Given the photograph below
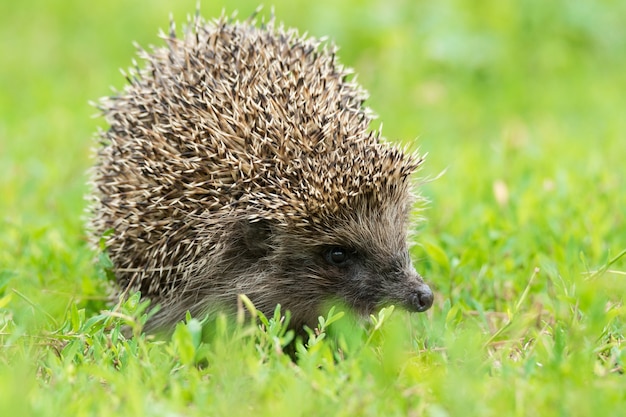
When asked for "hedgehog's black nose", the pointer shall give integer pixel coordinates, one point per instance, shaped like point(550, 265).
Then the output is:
point(423, 298)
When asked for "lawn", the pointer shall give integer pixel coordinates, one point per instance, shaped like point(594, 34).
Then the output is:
point(521, 107)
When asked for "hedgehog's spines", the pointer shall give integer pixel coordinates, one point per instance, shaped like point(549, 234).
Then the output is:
point(172, 28)
point(251, 20)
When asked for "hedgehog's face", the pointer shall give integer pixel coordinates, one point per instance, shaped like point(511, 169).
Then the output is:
point(369, 278)
point(366, 253)
point(362, 260)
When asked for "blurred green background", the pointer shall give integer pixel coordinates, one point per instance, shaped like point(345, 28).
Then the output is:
point(522, 103)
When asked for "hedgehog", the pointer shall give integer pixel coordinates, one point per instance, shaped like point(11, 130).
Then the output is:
point(239, 159)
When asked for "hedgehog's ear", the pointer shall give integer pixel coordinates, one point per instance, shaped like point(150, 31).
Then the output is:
point(256, 236)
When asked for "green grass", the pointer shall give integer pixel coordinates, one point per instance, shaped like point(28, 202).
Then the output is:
point(521, 103)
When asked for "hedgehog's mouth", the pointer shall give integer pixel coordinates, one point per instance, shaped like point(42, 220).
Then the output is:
point(420, 300)
point(417, 301)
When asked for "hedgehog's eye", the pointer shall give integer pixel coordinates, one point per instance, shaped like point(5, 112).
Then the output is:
point(338, 256)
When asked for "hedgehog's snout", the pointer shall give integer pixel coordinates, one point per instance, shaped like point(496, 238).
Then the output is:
point(421, 299)
point(418, 295)
point(406, 287)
